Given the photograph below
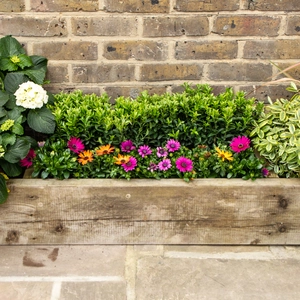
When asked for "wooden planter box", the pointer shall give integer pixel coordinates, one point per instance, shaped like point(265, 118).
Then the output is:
point(141, 211)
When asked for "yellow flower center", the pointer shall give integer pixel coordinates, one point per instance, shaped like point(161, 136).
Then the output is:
point(15, 59)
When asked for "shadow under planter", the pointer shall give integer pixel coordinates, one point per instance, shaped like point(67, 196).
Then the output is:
point(143, 211)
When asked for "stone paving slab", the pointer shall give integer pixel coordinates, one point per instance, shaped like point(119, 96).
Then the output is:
point(149, 272)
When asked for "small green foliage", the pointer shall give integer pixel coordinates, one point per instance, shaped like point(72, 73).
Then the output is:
point(277, 135)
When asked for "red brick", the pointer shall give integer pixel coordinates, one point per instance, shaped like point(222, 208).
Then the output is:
point(138, 50)
point(206, 50)
point(239, 71)
point(102, 73)
point(272, 49)
point(32, 26)
point(204, 5)
point(67, 50)
point(64, 5)
point(175, 26)
point(247, 25)
point(133, 6)
point(166, 72)
point(104, 26)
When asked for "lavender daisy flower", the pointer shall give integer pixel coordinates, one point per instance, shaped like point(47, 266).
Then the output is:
point(127, 146)
point(164, 165)
point(173, 145)
point(184, 164)
point(152, 167)
point(144, 151)
point(161, 152)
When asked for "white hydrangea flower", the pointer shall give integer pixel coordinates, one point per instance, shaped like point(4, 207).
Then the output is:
point(31, 95)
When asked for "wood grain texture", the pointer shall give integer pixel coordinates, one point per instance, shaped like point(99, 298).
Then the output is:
point(171, 211)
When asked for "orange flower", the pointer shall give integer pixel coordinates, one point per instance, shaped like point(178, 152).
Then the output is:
point(85, 157)
point(121, 159)
point(107, 149)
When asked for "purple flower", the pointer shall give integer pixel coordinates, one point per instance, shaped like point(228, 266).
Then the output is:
point(127, 146)
point(75, 145)
point(130, 165)
point(161, 152)
point(184, 164)
point(144, 151)
point(152, 167)
point(265, 172)
point(173, 145)
point(164, 165)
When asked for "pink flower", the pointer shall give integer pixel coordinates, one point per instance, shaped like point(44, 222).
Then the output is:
point(130, 165)
point(152, 167)
point(144, 151)
point(161, 152)
point(265, 172)
point(184, 164)
point(173, 145)
point(240, 143)
point(75, 145)
point(27, 161)
point(164, 165)
point(127, 146)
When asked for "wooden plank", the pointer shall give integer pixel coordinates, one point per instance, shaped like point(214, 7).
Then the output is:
point(171, 211)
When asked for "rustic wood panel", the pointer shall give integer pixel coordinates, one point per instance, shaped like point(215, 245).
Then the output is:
point(171, 211)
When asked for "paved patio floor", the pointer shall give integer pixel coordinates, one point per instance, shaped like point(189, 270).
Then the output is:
point(149, 272)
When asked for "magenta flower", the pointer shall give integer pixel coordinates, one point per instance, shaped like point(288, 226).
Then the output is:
point(184, 164)
point(173, 145)
point(265, 172)
point(75, 144)
point(130, 165)
point(144, 151)
point(27, 161)
point(240, 143)
point(164, 165)
point(152, 167)
point(127, 146)
point(161, 152)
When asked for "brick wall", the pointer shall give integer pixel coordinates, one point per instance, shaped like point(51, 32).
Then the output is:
point(124, 47)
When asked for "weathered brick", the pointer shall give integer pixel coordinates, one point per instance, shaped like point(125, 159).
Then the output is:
point(293, 25)
point(162, 72)
point(294, 72)
point(32, 26)
point(272, 49)
point(206, 50)
point(285, 5)
point(69, 88)
point(204, 5)
point(67, 50)
point(103, 73)
point(129, 91)
point(239, 71)
point(262, 93)
point(57, 73)
point(216, 89)
point(133, 6)
point(93, 290)
point(104, 26)
point(175, 26)
point(139, 50)
point(247, 25)
point(12, 6)
point(63, 5)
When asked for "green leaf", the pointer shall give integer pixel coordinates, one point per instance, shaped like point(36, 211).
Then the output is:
point(17, 129)
point(9, 46)
point(17, 151)
point(7, 65)
point(12, 81)
point(4, 97)
point(8, 139)
point(2, 112)
point(12, 170)
point(3, 189)
point(25, 61)
point(41, 120)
